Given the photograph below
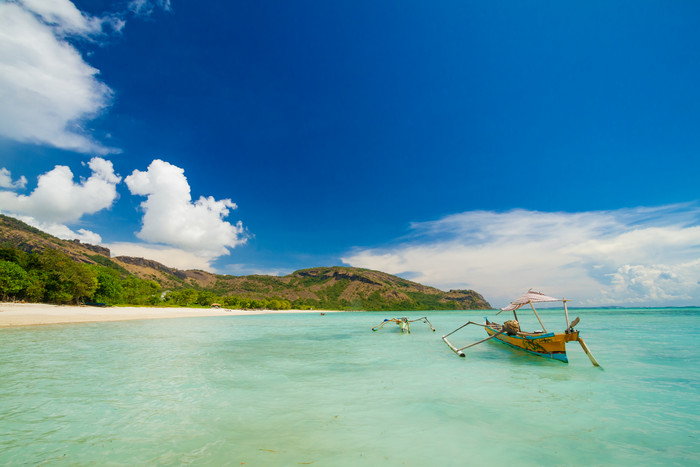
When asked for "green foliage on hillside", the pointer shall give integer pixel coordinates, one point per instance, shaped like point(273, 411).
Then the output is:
point(37, 267)
point(346, 288)
point(50, 276)
point(53, 277)
point(104, 261)
point(339, 288)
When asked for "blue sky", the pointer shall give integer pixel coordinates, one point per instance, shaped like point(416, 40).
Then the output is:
point(496, 146)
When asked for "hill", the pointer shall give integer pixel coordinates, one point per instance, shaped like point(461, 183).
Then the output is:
point(337, 287)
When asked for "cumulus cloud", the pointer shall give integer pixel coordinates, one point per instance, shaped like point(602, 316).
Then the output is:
point(630, 256)
point(639, 284)
point(63, 16)
point(62, 231)
point(47, 90)
point(6, 180)
point(247, 270)
point(171, 257)
point(171, 218)
point(58, 199)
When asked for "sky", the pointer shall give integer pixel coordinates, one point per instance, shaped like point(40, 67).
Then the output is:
point(488, 145)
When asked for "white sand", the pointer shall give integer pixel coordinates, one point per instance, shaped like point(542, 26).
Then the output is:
point(27, 314)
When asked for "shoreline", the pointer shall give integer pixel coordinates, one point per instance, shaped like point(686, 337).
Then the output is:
point(36, 314)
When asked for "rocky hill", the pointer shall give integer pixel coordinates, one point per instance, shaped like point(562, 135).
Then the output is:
point(323, 287)
point(341, 287)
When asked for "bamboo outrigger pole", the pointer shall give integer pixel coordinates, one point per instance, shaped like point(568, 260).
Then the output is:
point(459, 351)
point(404, 323)
point(588, 352)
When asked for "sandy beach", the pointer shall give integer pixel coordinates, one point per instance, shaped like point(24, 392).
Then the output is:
point(31, 314)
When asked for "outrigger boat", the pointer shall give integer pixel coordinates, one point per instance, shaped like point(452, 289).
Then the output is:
point(404, 323)
point(542, 343)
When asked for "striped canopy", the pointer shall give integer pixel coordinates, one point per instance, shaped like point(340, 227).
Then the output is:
point(530, 297)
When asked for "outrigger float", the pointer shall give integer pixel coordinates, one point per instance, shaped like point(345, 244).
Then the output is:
point(404, 323)
point(542, 343)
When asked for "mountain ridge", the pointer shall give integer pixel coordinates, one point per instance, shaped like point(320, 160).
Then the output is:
point(329, 287)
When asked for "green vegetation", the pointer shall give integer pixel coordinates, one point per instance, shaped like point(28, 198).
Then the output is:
point(50, 276)
point(53, 277)
point(37, 267)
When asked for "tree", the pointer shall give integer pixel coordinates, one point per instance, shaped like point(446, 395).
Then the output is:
point(183, 297)
point(65, 280)
point(13, 279)
point(12, 254)
point(206, 298)
point(231, 302)
point(35, 290)
point(139, 291)
point(109, 287)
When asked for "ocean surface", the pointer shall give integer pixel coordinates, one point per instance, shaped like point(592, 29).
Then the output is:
point(311, 389)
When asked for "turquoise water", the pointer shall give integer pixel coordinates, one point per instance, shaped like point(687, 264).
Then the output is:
point(325, 390)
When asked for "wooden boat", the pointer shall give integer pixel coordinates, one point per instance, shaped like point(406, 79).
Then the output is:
point(403, 323)
point(542, 343)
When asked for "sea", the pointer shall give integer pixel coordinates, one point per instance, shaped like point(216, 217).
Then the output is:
point(325, 390)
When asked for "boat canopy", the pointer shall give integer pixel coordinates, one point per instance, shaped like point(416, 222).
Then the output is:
point(530, 297)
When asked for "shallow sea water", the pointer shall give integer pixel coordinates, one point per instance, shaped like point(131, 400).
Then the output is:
point(306, 389)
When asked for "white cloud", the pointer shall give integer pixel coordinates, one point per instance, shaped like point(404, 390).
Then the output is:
point(64, 16)
point(63, 231)
point(641, 284)
point(247, 270)
point(6, 180)
point(630, 256)
point(171, 218)
point(47, 90)
point(58, 199)
point(146, 7)
point(171, 257)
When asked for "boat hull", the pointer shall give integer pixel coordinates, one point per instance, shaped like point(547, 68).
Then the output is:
point(549, 345)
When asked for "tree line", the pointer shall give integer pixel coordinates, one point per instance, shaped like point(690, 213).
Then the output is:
point(50, 276)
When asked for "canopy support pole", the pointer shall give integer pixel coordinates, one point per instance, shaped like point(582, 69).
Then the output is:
point(566, 312)
point(538, 316)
